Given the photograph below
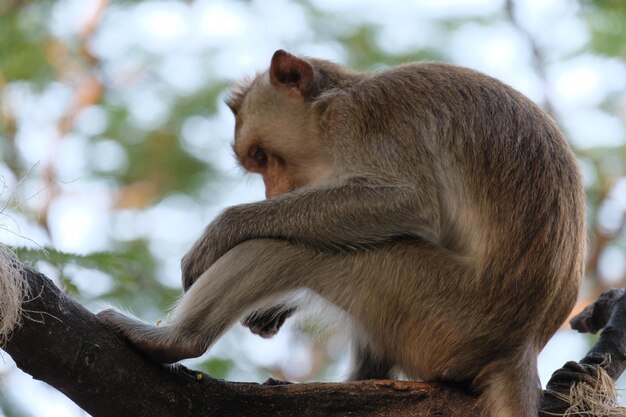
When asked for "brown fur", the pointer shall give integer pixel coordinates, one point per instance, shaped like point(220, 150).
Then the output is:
point(441, 209)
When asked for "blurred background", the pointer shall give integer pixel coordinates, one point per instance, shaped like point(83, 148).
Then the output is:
point(114, 140)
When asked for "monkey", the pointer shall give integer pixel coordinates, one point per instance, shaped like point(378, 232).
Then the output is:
point(440, 209)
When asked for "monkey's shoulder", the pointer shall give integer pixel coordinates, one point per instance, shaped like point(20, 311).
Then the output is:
point(434, 69)
point(443, 88)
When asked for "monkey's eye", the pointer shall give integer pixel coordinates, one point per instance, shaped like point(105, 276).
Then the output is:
point(259, 156)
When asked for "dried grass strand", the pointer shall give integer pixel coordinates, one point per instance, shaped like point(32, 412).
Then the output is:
point(13, 291)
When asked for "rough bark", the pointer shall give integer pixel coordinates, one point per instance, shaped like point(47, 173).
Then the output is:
point(608, 314)
point(63, 344)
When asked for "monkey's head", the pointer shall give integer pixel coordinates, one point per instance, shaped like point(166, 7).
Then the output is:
point(276, 132)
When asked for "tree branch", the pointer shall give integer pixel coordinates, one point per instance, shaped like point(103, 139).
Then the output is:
point(63, 344)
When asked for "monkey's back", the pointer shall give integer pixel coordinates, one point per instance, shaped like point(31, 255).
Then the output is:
point(503, 183)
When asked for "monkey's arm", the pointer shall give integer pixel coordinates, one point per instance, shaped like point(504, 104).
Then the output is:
point(350, 214)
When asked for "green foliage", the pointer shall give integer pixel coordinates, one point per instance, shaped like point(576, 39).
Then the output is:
point(126, 266)
point(160, 161)
point(607, 20)
point(24, 45)
point(365, 51)
point(131, 270)
point(156, 156)
point(115, 264)
point(217, 367)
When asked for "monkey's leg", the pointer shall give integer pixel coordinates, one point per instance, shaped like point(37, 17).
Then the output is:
point(366, 365)
point(267, 322)
point(254, 272)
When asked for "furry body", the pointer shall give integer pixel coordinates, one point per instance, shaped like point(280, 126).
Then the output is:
point(439, 208)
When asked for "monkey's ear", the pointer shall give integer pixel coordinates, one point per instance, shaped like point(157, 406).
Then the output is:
point(289, 71)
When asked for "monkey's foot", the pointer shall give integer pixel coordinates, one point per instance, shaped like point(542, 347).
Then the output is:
point(157, 343)
point(266, 323)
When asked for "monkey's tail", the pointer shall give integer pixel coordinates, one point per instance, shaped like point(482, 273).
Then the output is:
point(13, 291)
point(510, 387)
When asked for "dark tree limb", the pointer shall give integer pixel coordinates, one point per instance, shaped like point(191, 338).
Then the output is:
point(63, 344)
point(66, 346)
point(608, 314)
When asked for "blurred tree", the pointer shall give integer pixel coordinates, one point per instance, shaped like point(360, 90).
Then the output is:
point(115, 107)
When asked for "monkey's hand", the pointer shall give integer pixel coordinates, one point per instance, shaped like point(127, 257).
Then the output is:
point(213, 243)
point(225, 232)
point(266, 323)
